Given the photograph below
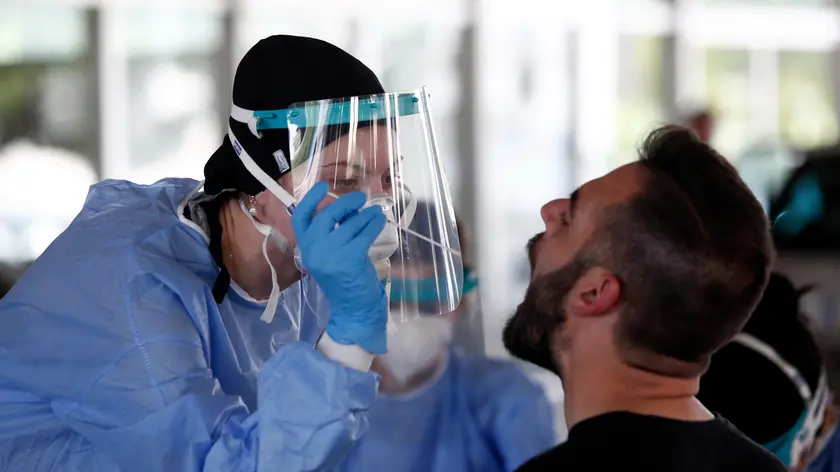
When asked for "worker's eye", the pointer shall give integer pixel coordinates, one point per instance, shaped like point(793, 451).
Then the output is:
point(389, 181)
point(346, 185)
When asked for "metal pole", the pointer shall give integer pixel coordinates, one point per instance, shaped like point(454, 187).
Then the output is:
point(466, 148)
point(469, 330)
point(226, 60)
point(91, 64)
point(671, 45)
point(687, 64)
point(834, 63)
point(111, 52)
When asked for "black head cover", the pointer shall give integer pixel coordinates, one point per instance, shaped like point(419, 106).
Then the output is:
point(276, 73)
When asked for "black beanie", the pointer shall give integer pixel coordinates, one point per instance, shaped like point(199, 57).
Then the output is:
point(276, 73)
point(748, 389)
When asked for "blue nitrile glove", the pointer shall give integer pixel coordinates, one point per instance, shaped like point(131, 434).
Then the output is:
point(337, 258)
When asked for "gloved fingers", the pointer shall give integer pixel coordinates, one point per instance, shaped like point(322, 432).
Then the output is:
point(324, 222)
point(302, 217)
point(351, 226)
point(367, 235)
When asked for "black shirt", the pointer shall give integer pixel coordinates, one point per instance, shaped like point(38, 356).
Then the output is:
point(627, 441)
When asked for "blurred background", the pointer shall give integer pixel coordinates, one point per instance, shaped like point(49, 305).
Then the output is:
point(531, 99)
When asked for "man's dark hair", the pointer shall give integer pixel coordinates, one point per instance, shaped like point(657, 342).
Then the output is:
point(738, 374)
point(692, 251)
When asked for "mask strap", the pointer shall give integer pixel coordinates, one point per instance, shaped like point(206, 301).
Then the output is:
point(392, 326)
point(247, 117)
point(263, 228)
point(383, 271)
point(274, 297)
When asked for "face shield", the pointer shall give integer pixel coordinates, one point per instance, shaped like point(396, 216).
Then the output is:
point(416, 291)
point(383, 146)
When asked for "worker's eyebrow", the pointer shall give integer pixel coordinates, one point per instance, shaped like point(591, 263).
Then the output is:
point(354, 167)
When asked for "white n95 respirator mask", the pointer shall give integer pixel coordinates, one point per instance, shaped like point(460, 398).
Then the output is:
point(387, 243)
point(416, 345)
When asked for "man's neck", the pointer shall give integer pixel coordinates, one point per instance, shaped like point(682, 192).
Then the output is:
point(600, 389)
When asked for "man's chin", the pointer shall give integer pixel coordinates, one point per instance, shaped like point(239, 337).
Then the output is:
point(528, 334)
point(529, 343)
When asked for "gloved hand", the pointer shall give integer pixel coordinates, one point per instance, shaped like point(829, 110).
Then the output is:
point(337, 258)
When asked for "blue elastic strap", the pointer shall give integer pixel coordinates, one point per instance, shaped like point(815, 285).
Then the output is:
point(470, 281)
point(781, 446)
point(339, 113)
point(428, 290)
point(805, 206)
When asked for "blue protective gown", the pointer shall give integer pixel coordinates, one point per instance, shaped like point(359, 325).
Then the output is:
point(114, 356)
point(480, 415)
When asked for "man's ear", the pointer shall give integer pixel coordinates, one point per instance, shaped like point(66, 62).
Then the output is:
point(596, 293)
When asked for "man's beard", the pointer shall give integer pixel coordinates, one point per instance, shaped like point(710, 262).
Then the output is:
point(529, 332)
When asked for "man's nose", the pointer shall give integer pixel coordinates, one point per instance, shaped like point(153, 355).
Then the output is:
point(552, 212)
